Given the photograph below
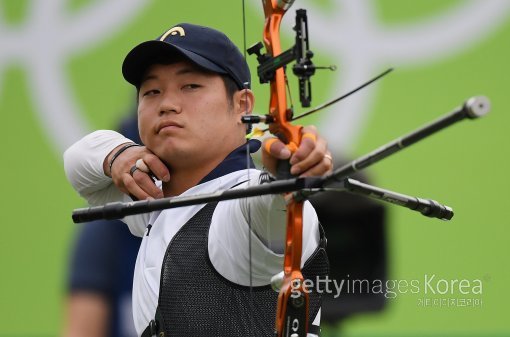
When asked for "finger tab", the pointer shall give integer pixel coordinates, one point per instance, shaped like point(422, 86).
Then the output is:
point(269, 143)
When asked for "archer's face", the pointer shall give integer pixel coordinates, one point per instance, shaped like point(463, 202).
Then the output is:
point(184, 115)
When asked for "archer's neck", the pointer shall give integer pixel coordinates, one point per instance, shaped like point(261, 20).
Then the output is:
point(182, 180)
point(188, 173)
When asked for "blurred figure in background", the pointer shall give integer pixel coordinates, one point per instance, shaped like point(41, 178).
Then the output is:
point(101, 274)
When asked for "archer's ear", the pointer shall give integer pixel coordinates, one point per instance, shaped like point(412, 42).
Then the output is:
point(244, 101)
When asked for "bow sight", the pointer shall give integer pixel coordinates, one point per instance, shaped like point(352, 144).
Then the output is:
point(300, 53)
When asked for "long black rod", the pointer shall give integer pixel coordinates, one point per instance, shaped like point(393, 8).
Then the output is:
point(118, 210)
point(302, 186)
point(473, 108)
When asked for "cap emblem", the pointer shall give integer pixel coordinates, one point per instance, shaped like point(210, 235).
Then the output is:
point(173, 31)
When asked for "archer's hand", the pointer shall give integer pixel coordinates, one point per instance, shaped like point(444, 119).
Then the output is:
point(312, 158)
point(136, 183)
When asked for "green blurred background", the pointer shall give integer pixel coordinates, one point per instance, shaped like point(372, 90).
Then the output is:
point(464, 166)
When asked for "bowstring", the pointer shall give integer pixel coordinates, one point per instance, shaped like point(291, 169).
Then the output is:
point(248, 162)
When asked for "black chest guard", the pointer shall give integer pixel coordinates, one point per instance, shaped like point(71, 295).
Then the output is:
point(195, 300)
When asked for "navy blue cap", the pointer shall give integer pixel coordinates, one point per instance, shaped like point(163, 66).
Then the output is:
point(204, 46)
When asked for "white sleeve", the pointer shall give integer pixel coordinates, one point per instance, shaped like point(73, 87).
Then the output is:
point(83, 165)
point(269, 223)
point(268, 218)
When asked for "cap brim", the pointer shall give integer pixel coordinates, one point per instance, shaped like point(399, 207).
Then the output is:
point(151, 52)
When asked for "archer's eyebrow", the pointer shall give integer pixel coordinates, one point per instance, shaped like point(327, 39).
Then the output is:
point(183, 71)
point(188, 70)
point(148, 77)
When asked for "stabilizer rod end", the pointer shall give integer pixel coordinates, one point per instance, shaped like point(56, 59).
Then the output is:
point(477, 106)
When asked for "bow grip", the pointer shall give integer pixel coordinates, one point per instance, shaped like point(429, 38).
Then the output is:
point(283, 165)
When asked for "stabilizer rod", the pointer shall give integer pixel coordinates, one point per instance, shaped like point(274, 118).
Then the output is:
point(473, 108)
point(427, 207)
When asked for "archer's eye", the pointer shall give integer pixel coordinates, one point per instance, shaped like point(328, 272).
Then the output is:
point(191, 86)
point(151, 92)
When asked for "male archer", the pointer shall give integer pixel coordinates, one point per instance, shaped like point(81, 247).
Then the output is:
point(195, 274)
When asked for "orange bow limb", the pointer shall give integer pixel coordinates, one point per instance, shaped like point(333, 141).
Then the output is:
point(293, 300)
point(292, 309)
point(289, 134)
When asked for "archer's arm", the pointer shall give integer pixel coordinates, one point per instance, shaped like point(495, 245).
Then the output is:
point(83, 165)
point(84, 168)
point(260, 222)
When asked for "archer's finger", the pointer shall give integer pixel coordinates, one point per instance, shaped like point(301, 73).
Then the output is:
point(145, 182)
point(156, 167)
point(313, 159)
point(307, 145)
point(325, 166)
point(276, 148)
point(132, 187)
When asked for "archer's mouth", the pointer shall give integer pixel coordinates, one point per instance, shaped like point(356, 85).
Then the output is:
point(168, 127)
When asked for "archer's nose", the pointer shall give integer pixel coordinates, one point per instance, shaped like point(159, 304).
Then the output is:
point(170, 104)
